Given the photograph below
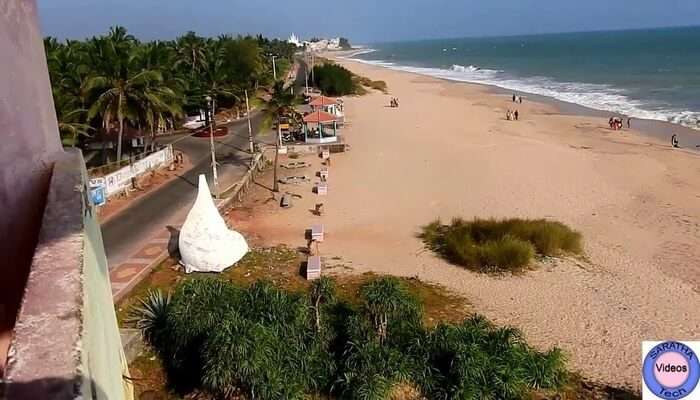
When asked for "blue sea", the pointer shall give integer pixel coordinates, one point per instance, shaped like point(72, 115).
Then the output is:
point(652, 74)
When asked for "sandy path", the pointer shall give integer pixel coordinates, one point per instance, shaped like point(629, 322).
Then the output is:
point(448, 151)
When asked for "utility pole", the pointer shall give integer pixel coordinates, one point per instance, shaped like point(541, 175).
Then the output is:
point(210, 104)
point(313, 63)
point(250, 128)
point(274, 68)
point(306, 71)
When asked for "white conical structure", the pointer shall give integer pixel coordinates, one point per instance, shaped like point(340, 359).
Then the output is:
point(206, 243)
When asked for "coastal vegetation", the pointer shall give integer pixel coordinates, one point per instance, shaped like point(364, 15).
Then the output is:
point(106, 85)
point(344, 43)
point(490, 245)
point(336, 80)
point(363, 340)
point(340, 297)
point(376, 85)
point(333, 79)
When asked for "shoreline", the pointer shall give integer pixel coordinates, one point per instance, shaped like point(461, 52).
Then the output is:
point(689, 138)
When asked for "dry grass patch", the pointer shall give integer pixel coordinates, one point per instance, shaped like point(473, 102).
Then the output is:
point(490, 245)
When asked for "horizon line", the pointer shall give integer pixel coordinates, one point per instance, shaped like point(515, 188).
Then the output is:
point(651, 28)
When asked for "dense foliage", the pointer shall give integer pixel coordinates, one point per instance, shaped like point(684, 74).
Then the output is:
point(333, 79)
point(110, 83)
point(273, 344)
point(493, 245)
point(345, 44)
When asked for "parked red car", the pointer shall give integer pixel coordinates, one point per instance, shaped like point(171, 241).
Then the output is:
point(204, 131)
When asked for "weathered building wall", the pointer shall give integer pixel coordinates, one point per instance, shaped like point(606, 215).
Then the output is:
point(55, 299)
point(66, 342)
point(30, 142)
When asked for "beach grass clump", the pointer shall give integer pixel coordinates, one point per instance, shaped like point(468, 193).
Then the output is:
point(265, 342)
point(490, 245)
point(361, 81)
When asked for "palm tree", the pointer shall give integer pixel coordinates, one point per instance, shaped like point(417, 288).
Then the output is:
point(215, 81)
point(386, 300)
point(120, 98)
point(150, 317)
point(71, 128)
point(322, 291)
point(159, 104)
point(190, 48)
point(281, 102)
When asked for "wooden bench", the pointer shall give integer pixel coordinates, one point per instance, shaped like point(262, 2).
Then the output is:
point(286, 201)
point(317, 233)
point(313, 268)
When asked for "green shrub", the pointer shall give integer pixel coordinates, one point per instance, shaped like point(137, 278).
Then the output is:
point(508, 252)
point(478, 360)
point(333, 79)
point(379, 85)
point(265, 342)
point(150, 316)
point(492, 245)
point(376, 85)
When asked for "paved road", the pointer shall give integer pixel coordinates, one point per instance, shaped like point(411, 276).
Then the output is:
point(125, 233)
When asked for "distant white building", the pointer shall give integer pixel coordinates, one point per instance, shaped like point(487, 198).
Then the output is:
point(334, 44)
point(293, 39)
point(324, 44)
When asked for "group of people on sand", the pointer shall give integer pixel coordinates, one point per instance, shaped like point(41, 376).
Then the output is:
point(512, 115)
point(616, 123)
point(517, 99)
point(394, 103)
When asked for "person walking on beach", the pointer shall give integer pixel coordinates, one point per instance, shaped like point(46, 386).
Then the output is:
point(629, 123)
point(520, 99)
point(674, 141)
point(513, 97)
point(611, 123)
point(508, 113)
point(515, 114)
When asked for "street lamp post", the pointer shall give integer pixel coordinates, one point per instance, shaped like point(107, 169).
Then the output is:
point(274, 67)
point(210, 104)
point(250, 128)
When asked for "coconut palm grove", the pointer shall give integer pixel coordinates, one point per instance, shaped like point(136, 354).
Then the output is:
point(109, 83)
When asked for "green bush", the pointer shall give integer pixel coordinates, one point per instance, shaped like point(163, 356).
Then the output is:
point(508, 252)
point(492, 245)
point(333, 79)
point(364, 81)
point(269, 343)
point(477, 360)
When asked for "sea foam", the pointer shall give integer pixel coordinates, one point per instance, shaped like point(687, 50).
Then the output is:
point(596, 96)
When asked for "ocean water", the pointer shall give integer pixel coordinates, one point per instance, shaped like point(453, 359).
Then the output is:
point(651, 74)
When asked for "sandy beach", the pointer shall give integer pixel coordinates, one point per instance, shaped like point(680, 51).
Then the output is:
point(448, 151)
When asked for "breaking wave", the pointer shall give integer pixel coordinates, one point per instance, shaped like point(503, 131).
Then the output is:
point(596, 96)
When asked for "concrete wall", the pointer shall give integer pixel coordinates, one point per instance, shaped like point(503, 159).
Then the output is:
point(66, 343)
point(30, 143)
point(55, 297)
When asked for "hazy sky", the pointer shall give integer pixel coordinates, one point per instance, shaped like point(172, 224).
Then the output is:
point(361, 20)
